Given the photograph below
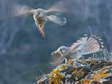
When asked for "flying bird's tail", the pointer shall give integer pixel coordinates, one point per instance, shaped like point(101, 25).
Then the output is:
point(41, 30)
point(40, 25)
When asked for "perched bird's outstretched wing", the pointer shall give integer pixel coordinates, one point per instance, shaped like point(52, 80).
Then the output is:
point(86, 45)
point(91, 46)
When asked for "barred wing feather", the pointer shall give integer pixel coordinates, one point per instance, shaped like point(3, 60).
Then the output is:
point(86, 45)
point(92, 46)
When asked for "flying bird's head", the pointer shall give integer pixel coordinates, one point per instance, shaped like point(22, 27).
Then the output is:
point(39, 12)
point(61, 51)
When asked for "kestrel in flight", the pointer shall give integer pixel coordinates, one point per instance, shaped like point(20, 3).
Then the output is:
point(40, 17)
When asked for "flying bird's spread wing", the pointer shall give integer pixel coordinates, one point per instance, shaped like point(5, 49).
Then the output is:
point(20, 13)
point(57, 20)
point(53, 10)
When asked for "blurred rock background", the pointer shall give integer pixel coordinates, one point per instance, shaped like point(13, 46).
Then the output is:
point(24, 55)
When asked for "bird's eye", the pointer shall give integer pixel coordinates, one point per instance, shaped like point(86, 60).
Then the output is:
point(62, 51)
point(39, 13)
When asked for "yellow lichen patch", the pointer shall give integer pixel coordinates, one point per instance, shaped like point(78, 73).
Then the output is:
point(86, 82)
point(102, 73)
point(55, 77)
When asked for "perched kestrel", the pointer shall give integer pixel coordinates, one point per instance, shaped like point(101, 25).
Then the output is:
point(84, 46)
